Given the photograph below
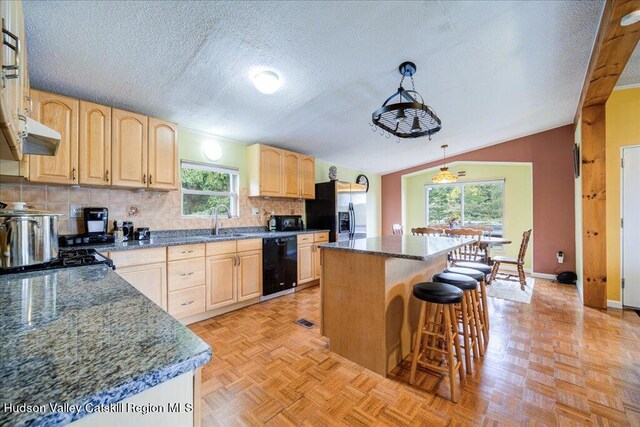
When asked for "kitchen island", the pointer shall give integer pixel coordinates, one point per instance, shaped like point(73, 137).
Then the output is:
point(81, 345)
point(367, 308)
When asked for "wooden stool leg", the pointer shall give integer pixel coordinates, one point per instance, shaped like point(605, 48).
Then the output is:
point(494, 271)
point(418, 342)
point(485, 305)
point(456, 343)
point(448, 326)
point(480, 331)
point(465, 335)
point(471, 325)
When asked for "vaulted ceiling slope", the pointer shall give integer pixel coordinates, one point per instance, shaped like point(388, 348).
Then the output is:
point(631, 74)
point(492, 70)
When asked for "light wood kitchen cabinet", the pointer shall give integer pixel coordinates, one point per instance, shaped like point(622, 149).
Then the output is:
point(290, 174)
point(163, 155)
point(305, 262)
point(318, 238)
point(129, 148)
point(280, 173)
point(149, 279)
point(222, 279)
point(249, 275)
point(60, 113)
point(14, 90)
point(307, 177)
point(95, 144)
point(187, 302)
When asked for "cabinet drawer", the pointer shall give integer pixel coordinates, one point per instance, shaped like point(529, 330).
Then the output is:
point(186, 273)
point(221, 248)
point(187, 302)
point(249, 245)
point(185, 251)
point(321, 237)
point(305, 238)
point(138, 257)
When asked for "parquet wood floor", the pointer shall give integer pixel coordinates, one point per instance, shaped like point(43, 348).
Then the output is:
point(551, 362)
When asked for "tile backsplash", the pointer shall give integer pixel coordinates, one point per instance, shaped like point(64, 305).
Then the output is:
point(156, 210)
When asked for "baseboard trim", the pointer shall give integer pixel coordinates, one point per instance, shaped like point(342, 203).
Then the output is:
point(614, 304)
point(543, 276)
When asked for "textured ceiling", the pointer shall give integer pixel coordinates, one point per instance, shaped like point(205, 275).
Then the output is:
point(491, 70)
point(631, 73)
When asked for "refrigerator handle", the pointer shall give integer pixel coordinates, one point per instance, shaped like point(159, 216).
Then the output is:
point(352, 220)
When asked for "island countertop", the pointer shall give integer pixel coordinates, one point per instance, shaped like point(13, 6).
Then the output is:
point(81, 336)
point(420, 248)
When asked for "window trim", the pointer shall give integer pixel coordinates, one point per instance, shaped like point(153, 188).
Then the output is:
point(210, 167)
point(500, 181)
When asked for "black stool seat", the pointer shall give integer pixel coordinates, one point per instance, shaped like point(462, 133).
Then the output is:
point(486, 269)
point(474, 274)
point(437, 293)
point(461, 281)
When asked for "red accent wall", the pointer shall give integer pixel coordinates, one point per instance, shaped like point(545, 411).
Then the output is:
point(551, 154)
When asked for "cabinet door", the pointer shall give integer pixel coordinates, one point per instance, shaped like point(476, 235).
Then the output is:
point(61, 114)
point(249, 275)
point(307, 177)
point(129, 149)
point(149, 279)
point(221, 278)
point(290, 174)
point(163, 155)
point(270, 171)
point(95, 144)
point(305, 263)
point(316, 262)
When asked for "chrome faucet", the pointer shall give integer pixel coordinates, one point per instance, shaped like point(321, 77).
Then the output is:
point(215, 217)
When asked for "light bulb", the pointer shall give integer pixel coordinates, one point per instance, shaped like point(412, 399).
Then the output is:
point(267, 82)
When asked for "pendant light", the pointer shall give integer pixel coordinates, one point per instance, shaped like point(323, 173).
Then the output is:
point(409, 116)
point(444, 176)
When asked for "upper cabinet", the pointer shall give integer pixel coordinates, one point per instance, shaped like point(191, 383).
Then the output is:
point(274, 172)
point(14, 88)
point(163, 155)
point(95, 144)
point(60, 113)
point(129, 149)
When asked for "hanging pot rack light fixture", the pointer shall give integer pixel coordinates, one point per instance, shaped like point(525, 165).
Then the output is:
point(409, 117)
point(444, 176)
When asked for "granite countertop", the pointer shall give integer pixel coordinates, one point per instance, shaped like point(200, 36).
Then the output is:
point(84, 335)
point(421, 248)
point(168, 238)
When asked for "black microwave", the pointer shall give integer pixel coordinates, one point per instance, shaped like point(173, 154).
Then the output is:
point(289, 223)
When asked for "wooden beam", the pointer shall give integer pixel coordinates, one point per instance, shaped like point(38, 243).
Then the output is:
point(611, 52)
point(594, 240)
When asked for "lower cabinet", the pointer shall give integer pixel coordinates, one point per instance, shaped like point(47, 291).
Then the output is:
point(186, 280)
point(309, 256)
point(145, 270)
point(233, 272)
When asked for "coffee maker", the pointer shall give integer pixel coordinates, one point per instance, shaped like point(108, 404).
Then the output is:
point(96, 221)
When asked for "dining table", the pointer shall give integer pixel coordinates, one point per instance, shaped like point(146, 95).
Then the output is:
point(486, 242)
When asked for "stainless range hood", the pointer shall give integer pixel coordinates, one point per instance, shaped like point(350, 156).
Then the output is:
point(40, 140)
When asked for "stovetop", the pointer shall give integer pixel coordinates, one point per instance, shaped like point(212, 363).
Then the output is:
point(66, 258)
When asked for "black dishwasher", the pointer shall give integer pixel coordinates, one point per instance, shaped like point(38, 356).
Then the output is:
point(279, 265)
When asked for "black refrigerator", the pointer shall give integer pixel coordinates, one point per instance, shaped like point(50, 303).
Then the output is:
point(341, 208)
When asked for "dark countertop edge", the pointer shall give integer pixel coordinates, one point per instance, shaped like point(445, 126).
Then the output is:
point(175, 241)
point(391, 255)
point(124, 391)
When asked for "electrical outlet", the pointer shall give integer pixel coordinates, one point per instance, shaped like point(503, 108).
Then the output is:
point(560, 257)
point(75, 211)
point(255, 211)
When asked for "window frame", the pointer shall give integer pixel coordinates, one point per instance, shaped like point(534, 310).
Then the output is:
point(462, 201)
point(234, 184)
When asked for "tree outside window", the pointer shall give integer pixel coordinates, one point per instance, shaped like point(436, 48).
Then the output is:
point(206, 186)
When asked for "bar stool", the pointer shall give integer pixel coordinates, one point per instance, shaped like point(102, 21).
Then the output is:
point(440, 332)
point(486, 270)
point(469, 314)
point(479, 276)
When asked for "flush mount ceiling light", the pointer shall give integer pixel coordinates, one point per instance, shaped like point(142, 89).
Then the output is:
point(444, 176)
point(409, 116)
point(267, 82)
point(212, 151)
point(630, 18)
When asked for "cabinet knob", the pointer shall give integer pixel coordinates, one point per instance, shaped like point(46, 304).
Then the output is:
point(144, 178)
point(187, 303)
point(73, 174)
point(106, 175)
point(187, 274)
point(150, 179)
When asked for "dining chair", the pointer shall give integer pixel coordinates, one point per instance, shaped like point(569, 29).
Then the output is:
point(467, 252)
point(487, 230)
point(427, 231)
point(518, 262)
point(397, 229)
